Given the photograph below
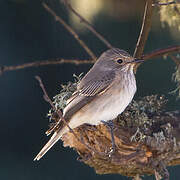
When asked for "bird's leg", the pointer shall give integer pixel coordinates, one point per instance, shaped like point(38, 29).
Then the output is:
point(110, 124)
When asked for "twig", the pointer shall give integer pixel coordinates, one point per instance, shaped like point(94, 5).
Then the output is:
point(161, 52)
point(74, 34)
point(87, 24)
point(44, 63)
point(47, 99)
point(146, 25)
point(157, 53)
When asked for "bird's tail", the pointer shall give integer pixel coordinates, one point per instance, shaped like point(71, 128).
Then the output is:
point(55, 137)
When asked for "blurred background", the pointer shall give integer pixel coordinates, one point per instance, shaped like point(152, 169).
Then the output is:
point(29, 33)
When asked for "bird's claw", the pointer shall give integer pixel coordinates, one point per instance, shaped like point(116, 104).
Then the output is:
point(111, 152)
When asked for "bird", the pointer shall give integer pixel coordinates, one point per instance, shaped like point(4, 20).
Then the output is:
point(101, 95)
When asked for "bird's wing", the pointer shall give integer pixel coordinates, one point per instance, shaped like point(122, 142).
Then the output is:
point(87, 90)
point(93, 86)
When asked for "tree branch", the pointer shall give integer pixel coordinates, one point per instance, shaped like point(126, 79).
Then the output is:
point(161, 52)
point(70, 30)
point(87, 24)
point(4, 69)
point(146, 25)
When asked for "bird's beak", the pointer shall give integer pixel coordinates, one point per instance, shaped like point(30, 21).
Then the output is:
point(137, 61)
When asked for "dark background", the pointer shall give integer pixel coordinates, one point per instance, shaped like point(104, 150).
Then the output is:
point(28, 33)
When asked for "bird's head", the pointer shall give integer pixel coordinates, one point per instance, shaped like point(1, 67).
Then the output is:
point(116, 58)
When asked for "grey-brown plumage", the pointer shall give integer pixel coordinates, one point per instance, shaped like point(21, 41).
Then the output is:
point(103, 94)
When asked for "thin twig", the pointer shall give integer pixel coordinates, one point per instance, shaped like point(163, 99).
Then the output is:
point(153, 54)
point(158, 53)
point(146, 26)
point(87, 24)
point(47, 99)
point(70, 30)
point(161, 52)
point(4, 69)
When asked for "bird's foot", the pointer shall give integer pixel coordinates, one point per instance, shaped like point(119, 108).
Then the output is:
point(111, 152)
point(110, 125)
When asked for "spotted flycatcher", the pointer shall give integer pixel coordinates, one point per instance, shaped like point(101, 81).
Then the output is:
point(103, 94)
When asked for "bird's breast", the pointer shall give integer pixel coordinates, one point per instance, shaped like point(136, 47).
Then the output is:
point(108, 105)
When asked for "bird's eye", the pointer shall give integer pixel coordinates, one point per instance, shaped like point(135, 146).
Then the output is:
point(119, 61)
